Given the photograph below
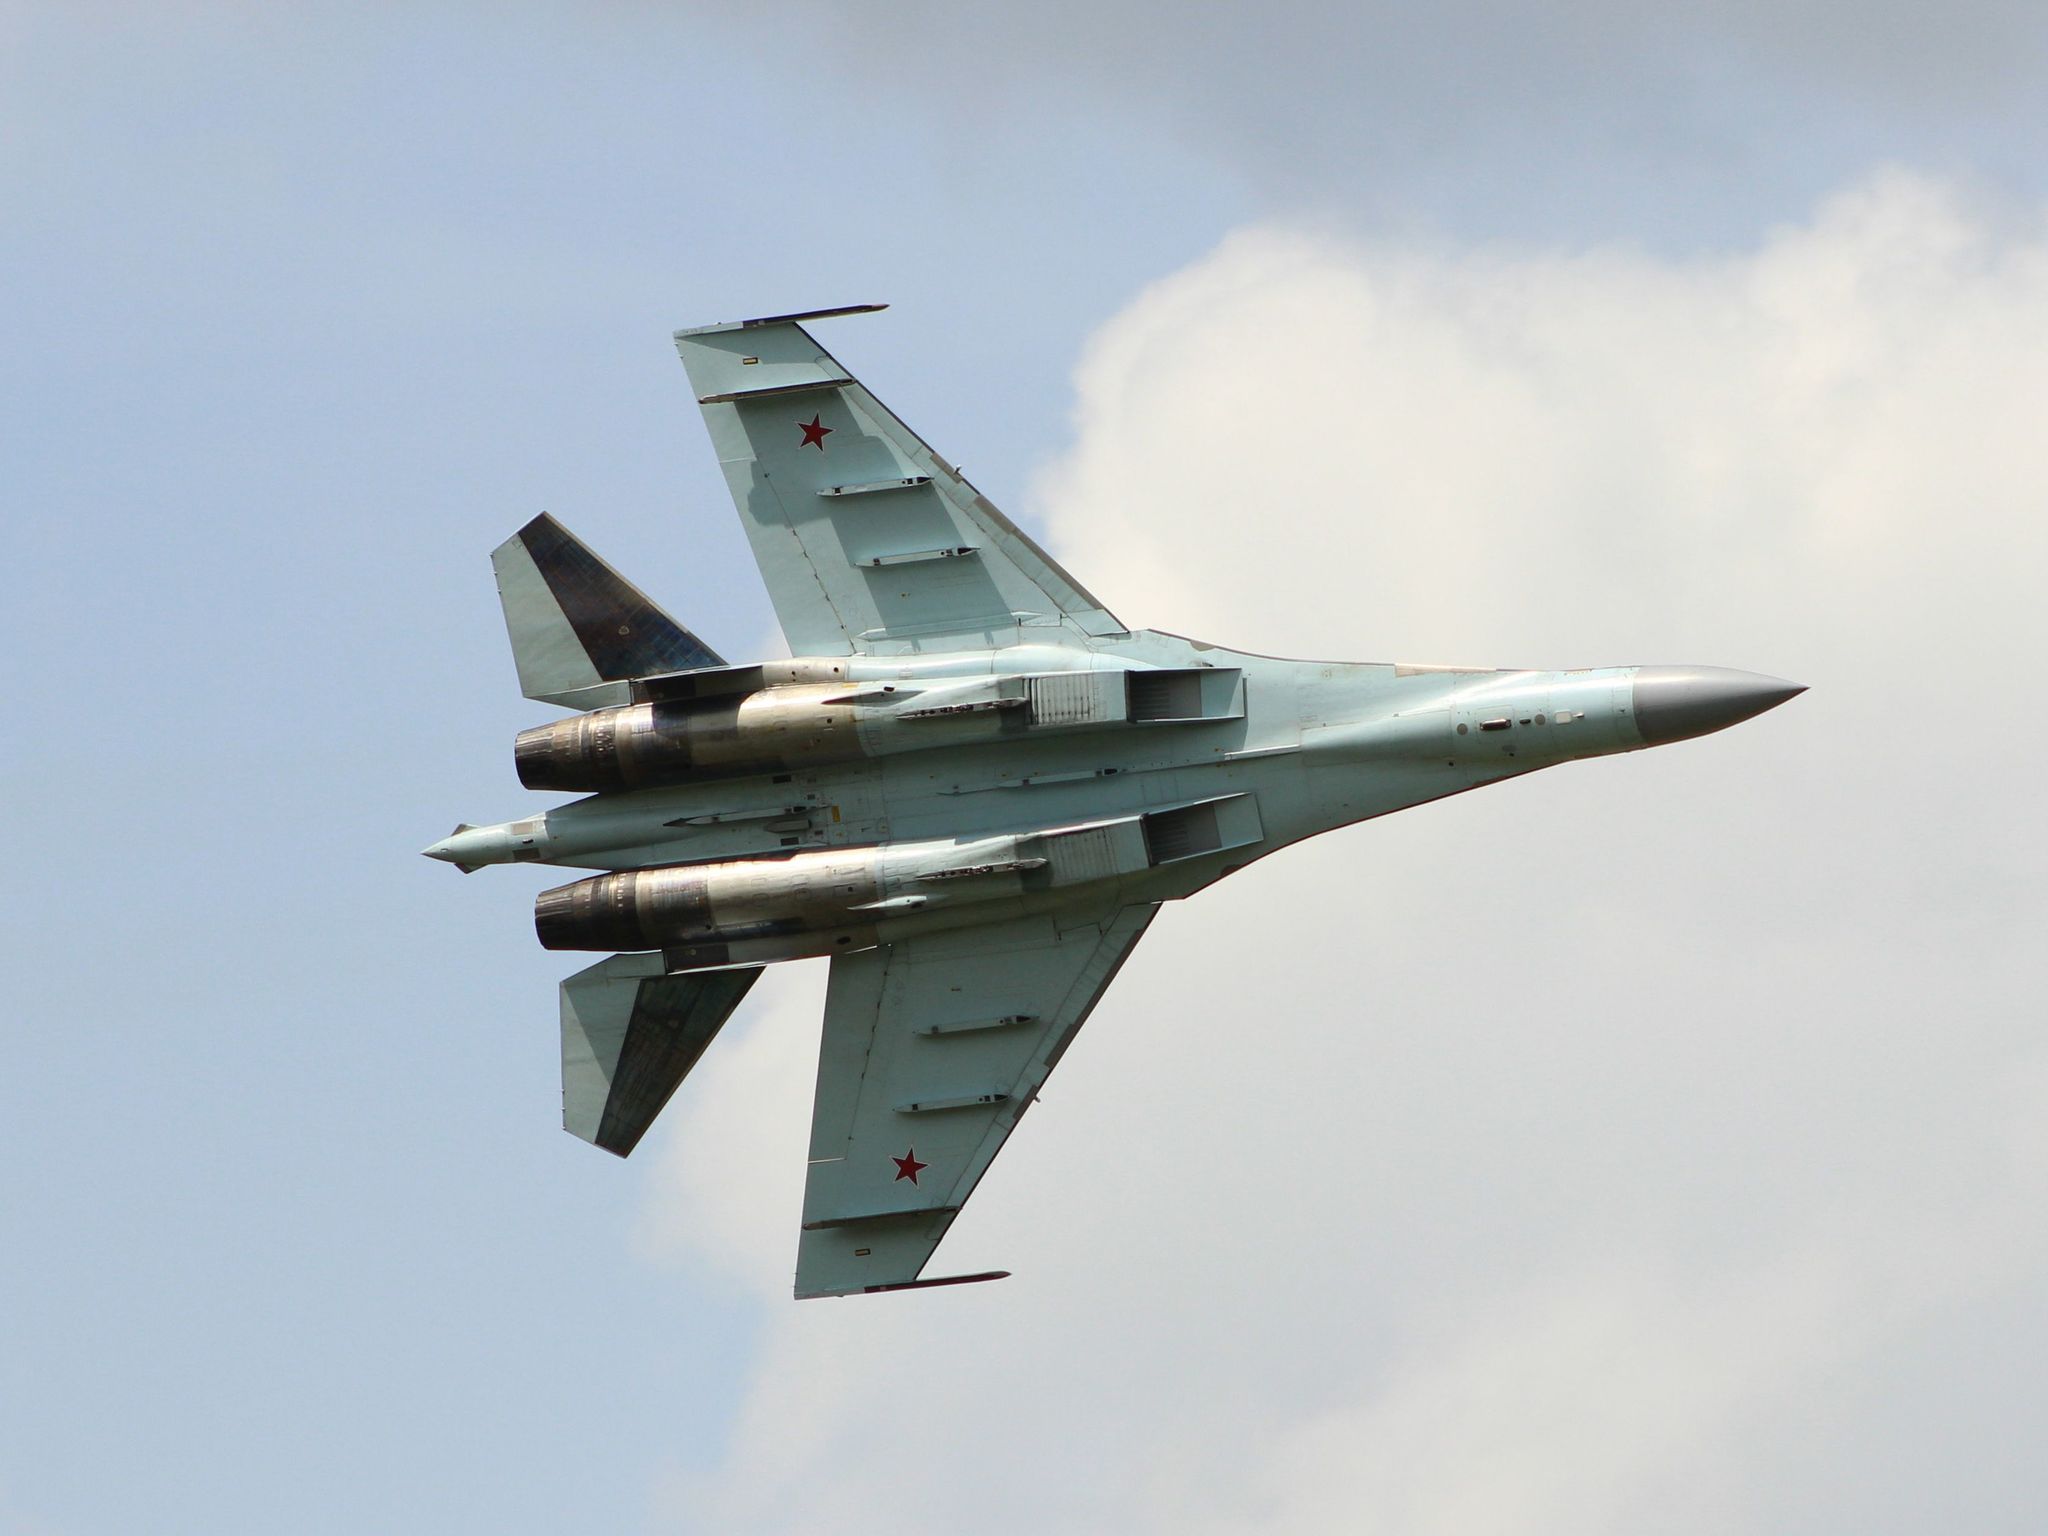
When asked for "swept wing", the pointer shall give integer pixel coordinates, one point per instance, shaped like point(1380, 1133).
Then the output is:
point(933, 1049)
point(867, 540)
point(577, 625)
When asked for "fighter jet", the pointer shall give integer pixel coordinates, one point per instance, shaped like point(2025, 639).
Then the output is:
point(970, 786)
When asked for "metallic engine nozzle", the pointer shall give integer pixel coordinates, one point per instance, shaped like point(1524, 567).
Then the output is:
point(570, 754)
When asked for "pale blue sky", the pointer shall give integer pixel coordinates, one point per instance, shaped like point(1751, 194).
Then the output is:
point(305, 314)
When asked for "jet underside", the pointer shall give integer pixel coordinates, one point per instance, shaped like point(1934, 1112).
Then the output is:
point(972, 792)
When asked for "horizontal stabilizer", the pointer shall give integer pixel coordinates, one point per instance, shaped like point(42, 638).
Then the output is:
point(575, 622)
point(630, 1035)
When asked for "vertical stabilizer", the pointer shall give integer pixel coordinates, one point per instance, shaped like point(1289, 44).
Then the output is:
point(575, 622)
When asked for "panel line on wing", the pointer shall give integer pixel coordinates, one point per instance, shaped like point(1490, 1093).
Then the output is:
point(885, 574)
point(769, 391)
point(898, 1118)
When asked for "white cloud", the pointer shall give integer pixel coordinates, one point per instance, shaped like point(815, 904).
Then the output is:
point(741, 1123)
point(1643, 1144)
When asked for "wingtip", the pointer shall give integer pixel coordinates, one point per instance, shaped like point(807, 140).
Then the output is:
point(936, 1280)
point(813, 314)
point(795, 317)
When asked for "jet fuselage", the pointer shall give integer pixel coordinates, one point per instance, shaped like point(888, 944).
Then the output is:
point(972, 788)
point(851, 801)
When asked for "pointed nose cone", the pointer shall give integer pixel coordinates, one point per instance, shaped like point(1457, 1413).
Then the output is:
point(1672, 703)
point(453, 849)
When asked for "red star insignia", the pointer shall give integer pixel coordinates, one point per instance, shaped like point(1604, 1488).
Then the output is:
point(814, 434)
point(908, 1167)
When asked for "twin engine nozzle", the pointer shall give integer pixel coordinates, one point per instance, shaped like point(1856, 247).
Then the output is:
point(636, 746)
point(801, 720)
point(719, 914)
point(789, 725)
point(799, 903)
point(740, 909)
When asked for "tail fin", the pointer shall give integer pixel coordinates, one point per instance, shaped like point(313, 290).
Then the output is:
point(575, 622)
point(630, 1035)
